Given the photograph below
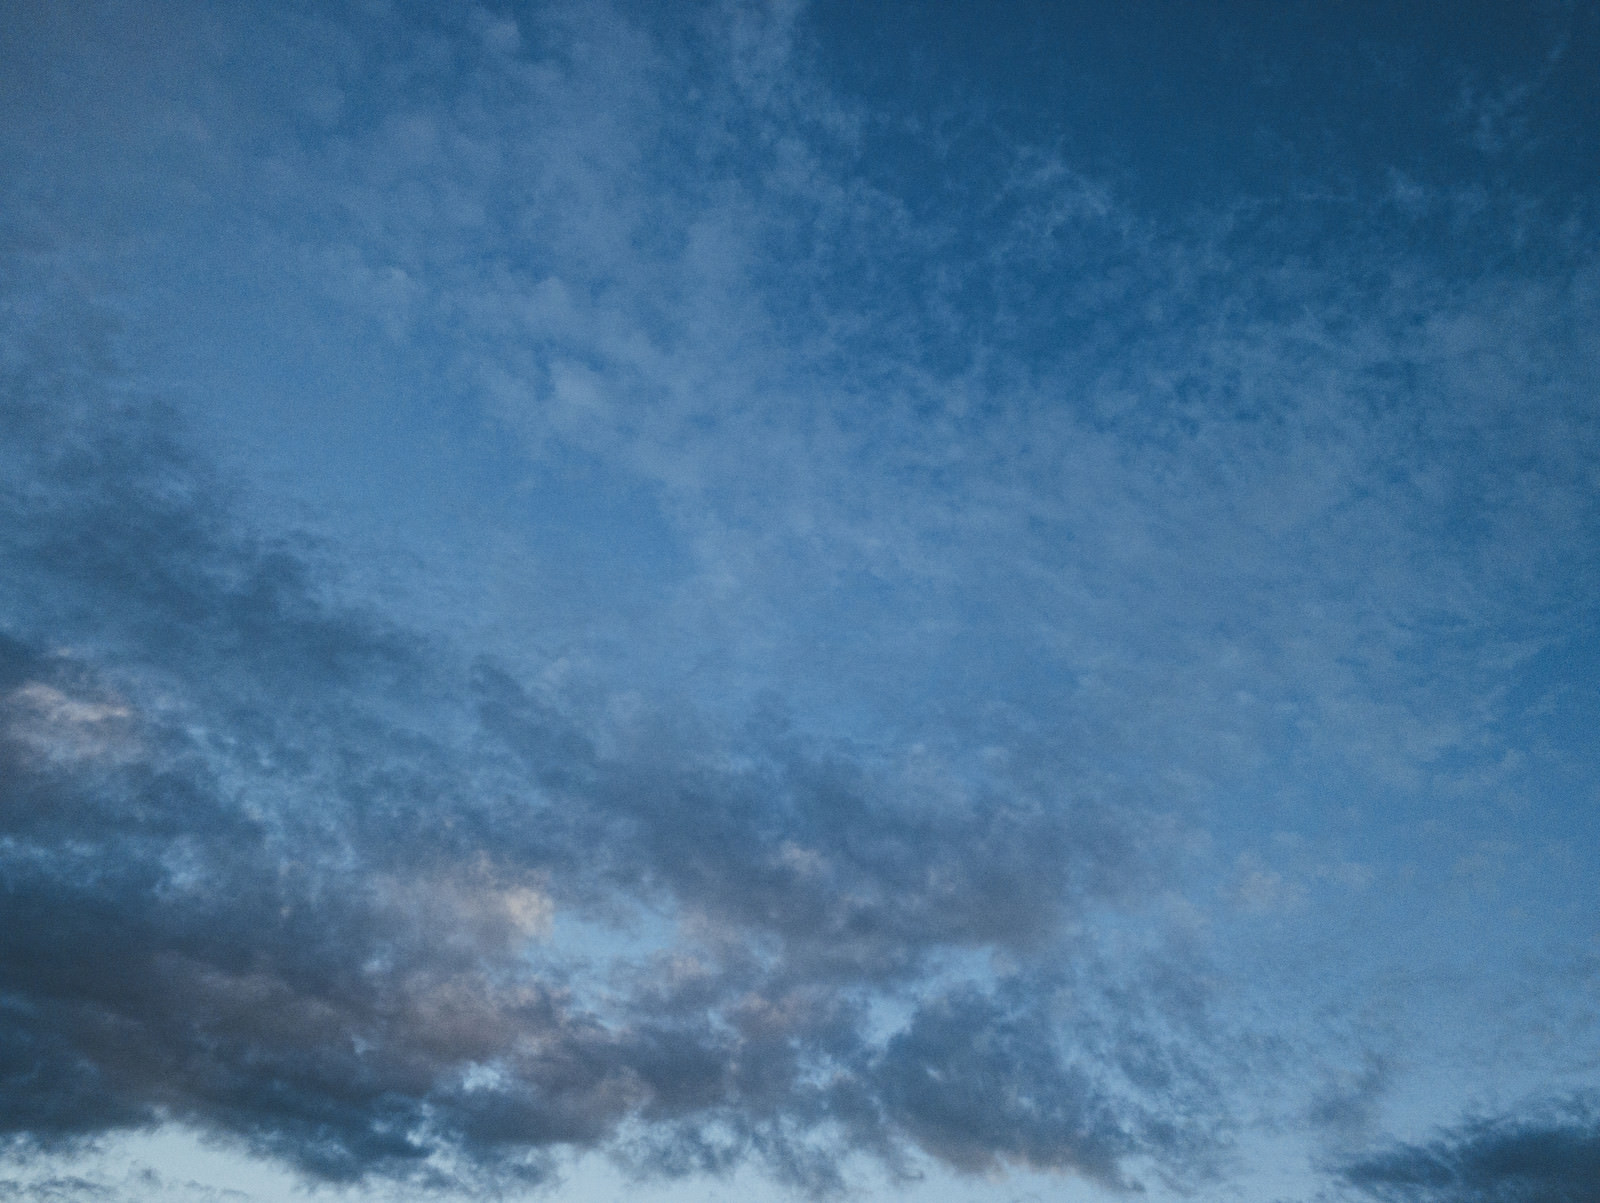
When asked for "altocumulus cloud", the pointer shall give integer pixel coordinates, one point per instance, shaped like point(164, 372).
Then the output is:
point(278, 869)
point(844, 627)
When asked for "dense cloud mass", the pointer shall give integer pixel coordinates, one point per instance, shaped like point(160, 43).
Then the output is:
point(1549, 1155)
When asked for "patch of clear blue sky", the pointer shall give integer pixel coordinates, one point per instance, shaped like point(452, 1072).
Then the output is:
point(1179, 105)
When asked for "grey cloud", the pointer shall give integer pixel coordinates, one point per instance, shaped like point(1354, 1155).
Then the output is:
point(1546, 1155)
point(977, 1082)
point(1348, 1102)
point(279, 868)
point(132, 540)
point(814, 849)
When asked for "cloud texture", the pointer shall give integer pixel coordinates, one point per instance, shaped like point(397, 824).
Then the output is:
point(726, 586)
point(279, 869)
point(1549, 1155)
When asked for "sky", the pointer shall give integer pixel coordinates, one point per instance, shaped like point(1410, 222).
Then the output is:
point(912, 602)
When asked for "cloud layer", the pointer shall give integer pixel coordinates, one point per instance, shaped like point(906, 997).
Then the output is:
point(281, 870)
point(583, 578)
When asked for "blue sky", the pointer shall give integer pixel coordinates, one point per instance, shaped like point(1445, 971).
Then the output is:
point(783, 601)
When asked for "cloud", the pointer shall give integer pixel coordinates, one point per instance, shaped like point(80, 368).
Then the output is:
point(1260, 890)
point(976, 1083)
point(75, 1189)
point(1045, 513)
point(283, 870)
point(1545, 1155)
point(1348, 1102)
point(134, 1184)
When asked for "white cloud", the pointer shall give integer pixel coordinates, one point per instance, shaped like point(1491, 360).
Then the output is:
point(59, 726)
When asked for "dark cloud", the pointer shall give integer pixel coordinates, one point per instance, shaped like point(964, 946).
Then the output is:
point(1549, 1155)
point(976, 1081)
point(278, 868)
